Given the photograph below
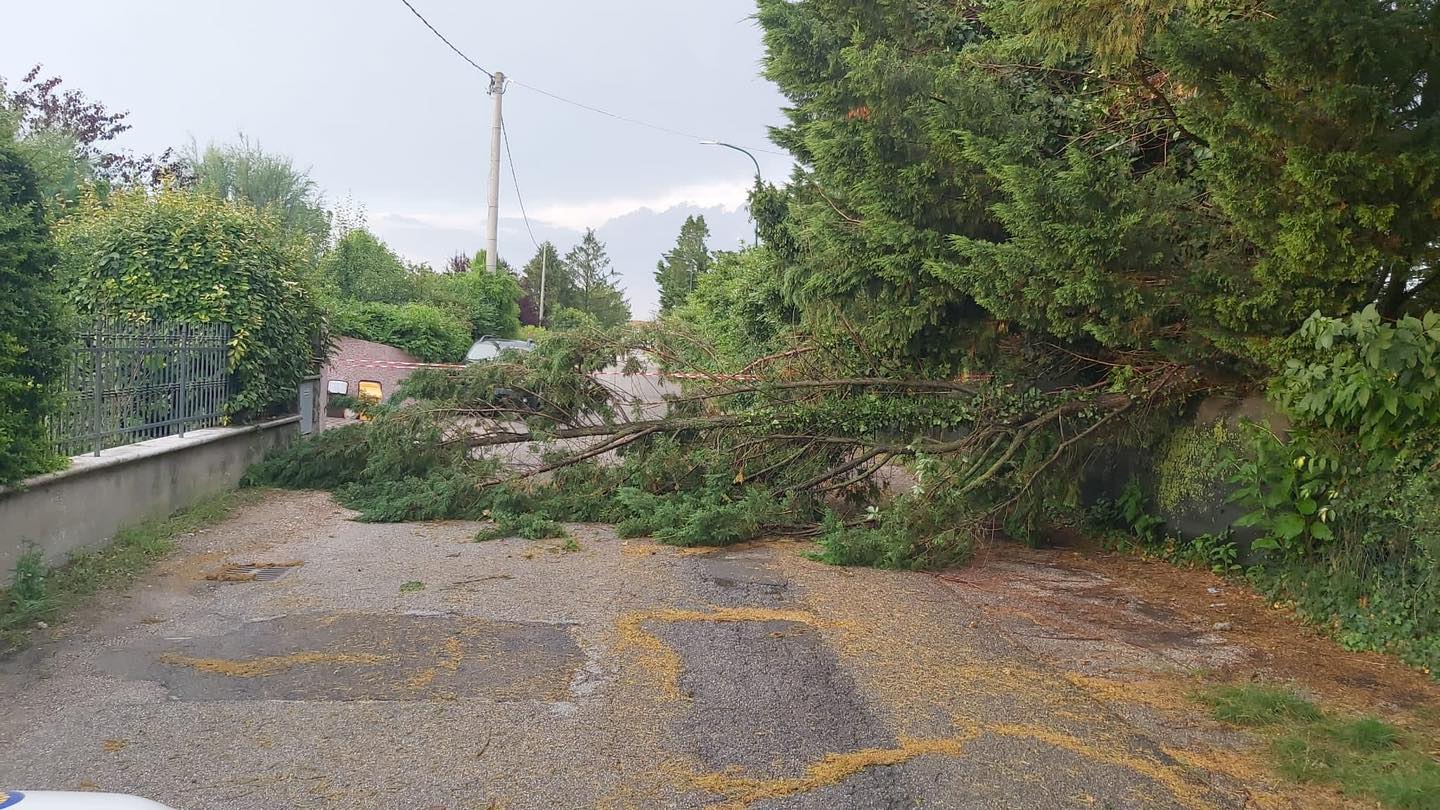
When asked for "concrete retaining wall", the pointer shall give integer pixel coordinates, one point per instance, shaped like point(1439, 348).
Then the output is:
point(82, 507)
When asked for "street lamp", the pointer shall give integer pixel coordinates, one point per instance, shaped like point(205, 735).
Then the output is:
point(746, 153)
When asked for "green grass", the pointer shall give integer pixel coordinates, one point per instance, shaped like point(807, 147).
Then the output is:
point(412, 586)
point(1252, 705)
point(1363, 756)
point(39, 594)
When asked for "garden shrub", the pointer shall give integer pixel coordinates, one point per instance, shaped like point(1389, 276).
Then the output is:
point(31, 334)
point(1350, 503)
point(187, 257)
point(487, 303)
point(426, 332)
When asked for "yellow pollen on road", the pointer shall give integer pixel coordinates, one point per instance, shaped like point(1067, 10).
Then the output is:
point(664, 661)
point(451, 655)
point(267, 665)
point(1171, 777)
point(743, 791)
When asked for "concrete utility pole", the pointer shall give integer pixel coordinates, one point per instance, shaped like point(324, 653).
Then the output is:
point(544, 260)
point(492, 226)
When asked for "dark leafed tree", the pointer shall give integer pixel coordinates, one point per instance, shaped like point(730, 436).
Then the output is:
point(596, 293)
point(459, 263)
point(682, 266)
point(65, 138)
point(1179, 177)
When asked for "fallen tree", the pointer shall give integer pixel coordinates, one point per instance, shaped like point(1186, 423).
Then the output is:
point(797, 445)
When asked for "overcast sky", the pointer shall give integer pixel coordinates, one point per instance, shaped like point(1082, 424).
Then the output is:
point(380, 110)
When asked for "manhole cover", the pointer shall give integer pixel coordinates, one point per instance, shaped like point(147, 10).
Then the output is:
point(252, 572)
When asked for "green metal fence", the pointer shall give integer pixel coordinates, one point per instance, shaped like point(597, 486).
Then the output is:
point(127, 382)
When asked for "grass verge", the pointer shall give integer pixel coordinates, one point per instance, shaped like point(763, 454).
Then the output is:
point(38, 594)
point(1365, 757)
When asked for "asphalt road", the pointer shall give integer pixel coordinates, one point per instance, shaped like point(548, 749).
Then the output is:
point(408, 666)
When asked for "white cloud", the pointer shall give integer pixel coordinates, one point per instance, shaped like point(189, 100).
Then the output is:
point(729, 195)
point(450, 219)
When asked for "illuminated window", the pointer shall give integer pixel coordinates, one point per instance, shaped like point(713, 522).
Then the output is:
point(370, 391)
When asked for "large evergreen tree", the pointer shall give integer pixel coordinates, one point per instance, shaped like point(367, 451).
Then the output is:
point(682, 266)
point(596, 293)
point(1172, 177)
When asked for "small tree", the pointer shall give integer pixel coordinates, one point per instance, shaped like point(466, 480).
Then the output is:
point(360, 267)
point(594, 278)
point(488, 303)
point(244, 171)
point(681, 268)
point(188, 257)
point(31, 338)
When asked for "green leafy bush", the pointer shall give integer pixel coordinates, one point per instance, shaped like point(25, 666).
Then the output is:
point(187, 257)
point(488, 303)
point(1351, 501)
point(426, 332)
point(31, 333)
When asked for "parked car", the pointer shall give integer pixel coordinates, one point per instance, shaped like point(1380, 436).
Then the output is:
point(489, 348)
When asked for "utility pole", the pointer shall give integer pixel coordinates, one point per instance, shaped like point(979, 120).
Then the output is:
point(544, 260)
point(492, 225)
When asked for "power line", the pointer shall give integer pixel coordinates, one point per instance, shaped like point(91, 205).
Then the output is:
point(636, 121)
point(510, 160)
point(446, 41)
point(625, 118)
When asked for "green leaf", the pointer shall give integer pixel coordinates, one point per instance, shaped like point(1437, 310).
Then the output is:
point(1306, 506)
point(1289, 525)
point(1251, 519)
